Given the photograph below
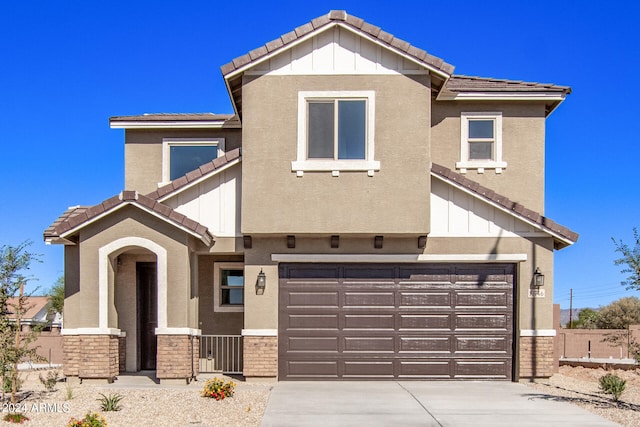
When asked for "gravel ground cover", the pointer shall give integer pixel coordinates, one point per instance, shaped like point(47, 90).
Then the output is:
point(579, 386)
point(172, 406)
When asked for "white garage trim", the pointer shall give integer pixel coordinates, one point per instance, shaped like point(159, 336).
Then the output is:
point(537, 332)
point(398, 258)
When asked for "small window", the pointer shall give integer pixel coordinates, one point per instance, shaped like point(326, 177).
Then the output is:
point(481, 142)
point(228, 280)
point(181, 156)
point(335, 132)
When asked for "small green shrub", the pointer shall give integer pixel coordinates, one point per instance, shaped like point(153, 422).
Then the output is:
point(218, 389)
point(69, 395)
point(613, 385)
point(50, 381)
point(7, 381)
point(110, 402)
point(15, 417)
point(91, 419)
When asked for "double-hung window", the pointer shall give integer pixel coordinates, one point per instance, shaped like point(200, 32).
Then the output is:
point(183, 155)
point(336, 132)
point(481, 142)
point(228, 278)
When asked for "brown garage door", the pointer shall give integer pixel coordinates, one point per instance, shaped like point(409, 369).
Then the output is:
point(364, 321)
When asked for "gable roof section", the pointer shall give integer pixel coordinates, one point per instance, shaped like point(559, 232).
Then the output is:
point(233, 70)
point(196, 176)
point(472, 88)
point(77, 218)
point(563, 236)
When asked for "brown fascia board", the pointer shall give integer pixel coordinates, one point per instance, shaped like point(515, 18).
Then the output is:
point(515, 208)
point(336, 17)
point(76, 218)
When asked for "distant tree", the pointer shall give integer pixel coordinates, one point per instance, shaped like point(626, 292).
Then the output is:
point(630, 260)
point(619, 314)
point(587, 319)
point(56, 296)
point(14, 344)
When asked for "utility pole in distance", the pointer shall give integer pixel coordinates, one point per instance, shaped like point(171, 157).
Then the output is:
point(571, 308)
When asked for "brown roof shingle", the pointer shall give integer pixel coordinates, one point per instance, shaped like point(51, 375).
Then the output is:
point(460, 83)
point(514, 207)
point(332, 18)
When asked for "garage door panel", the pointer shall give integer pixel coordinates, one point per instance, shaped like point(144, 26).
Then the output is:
point(482, 344)
point(482, 369)
point(426, 344)
point(368, 344)
point(482, 299)
point(370, 321)
point(369, 299)
point(311, 321)
point(312, 369)
point(312, 299)
point(489, 322)
point(421, 322)
point(425, 299)
point(316, 344)
point(425, 322)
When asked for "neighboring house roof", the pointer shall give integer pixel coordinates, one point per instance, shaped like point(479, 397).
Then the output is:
point(233, 70)
point(471, 88)
point(182, 120)
point(76, 218)
point(37, 308)
point(562, 235)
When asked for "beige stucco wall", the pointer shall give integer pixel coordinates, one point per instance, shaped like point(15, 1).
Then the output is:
point(394, 200)
point(261, 311)
point(81, 308)
point(523, 139)
point(143, 153)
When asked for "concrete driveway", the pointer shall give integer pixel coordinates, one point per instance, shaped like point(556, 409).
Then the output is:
point(420, 404)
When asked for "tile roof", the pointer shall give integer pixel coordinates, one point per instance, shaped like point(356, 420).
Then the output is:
point(568, 237)
point(332, 18)
point(78, 215)
point(195, 175)
point(34, 305)
point(460, 83)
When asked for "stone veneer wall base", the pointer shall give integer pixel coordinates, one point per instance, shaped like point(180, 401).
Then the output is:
point(177, 357)
point(536, 357)
point(91, 356)
point(260, 358)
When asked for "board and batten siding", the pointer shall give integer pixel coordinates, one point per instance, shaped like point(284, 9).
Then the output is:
point(337, 51)
point(456, 213)
point(214, 203)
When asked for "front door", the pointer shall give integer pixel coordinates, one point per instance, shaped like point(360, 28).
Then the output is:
point(147, 304)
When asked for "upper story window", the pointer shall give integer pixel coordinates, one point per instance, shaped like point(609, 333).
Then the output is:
point(481, 142)
point(182, 155)
point(336, 132)
point(228, 286)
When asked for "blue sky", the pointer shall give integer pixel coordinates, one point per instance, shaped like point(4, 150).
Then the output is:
point(68, 66)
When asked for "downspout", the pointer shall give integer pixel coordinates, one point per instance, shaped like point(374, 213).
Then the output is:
point(192, 367)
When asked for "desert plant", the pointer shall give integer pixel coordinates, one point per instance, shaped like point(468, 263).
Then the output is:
point(69, 394)
point(8, 381)
point(613, 385)
point(49, 382)
point(91, 419)
point(15, 417)
point(110, 402)
point(218, 389)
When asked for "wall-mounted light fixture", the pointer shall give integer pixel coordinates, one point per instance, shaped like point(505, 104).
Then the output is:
point(538, 278)
point(335, 241)
point(261, 283)
point(377, 242)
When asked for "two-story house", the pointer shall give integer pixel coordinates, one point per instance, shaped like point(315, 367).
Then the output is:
point(364, 214)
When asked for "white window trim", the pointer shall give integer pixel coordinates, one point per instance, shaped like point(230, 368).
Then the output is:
point(302, 164)
point(166, 151)
point(217, 297)
point(465, 163)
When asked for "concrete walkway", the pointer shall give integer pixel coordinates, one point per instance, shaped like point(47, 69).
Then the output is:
point(438, 404)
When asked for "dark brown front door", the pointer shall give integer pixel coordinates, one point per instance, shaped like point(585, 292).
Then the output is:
point(403, 321)
point(147, 313)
